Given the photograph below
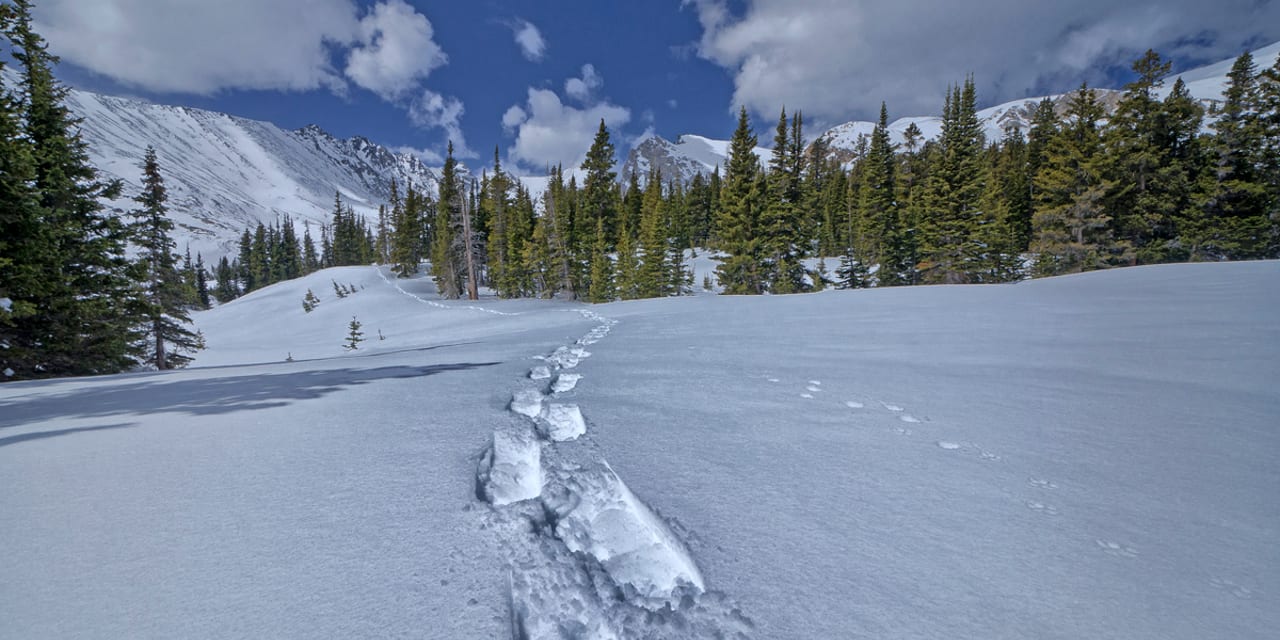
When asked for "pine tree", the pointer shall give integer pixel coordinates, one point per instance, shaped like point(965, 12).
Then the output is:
point(202, 283)
point(166, 296)
point(354, 335)
point(227, 289)
point(599, 190)
point(1072, 230)
point(1234, 223)
point(446, 263)
point(310, 302)
point(879, 206)
point(602, 287)
point(956, 185)
point(742, 201)
point(651, 278)
point(75, 303)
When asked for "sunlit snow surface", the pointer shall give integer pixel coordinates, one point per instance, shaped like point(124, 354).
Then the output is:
point(1092, 456)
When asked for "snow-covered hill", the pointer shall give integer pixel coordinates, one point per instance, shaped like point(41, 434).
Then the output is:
point(1091, 456)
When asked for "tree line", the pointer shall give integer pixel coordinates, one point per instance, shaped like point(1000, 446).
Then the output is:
point(1082, 189)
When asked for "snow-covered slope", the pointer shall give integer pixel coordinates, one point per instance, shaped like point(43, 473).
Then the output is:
point(688, 156)
point(1204, 83)
point(224, 173)
point(1092, 456)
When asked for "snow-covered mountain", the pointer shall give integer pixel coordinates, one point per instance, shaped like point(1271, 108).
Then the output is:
point(225, 173)
point(1205, 83)
point(688, 156)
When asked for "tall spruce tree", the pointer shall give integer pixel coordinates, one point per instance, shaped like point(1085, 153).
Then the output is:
point(742, 202)
point(170, 339)
point(1071, 227)
point(75, 303)
point(446, 256)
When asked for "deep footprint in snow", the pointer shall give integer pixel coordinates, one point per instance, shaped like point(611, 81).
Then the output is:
point(1239, 591)
point(1116, 549)
point(540, 372)
point(565, 382)
point(510, 469)
point(562, 422)
point(1040, 507)
point(527, 402)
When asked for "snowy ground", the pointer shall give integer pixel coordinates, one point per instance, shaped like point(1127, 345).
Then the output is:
point(1088, 456)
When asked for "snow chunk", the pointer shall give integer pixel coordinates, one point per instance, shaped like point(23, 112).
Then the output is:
point(6, 304)
point(527, 402)
point(565, 382)
point(540, 373)
point(564, 358)
point(564, 422)
point(511, 469)
point(595, 513)
point(8, 373)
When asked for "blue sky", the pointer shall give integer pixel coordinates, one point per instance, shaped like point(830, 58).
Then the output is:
point(413, 73)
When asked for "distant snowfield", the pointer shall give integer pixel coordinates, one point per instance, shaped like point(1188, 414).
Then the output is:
point(1092, 456)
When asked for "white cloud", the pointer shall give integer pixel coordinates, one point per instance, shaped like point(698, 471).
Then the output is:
point(432, 110)
point(197, 47)
point(837, 59)
point(202, 47)
point(529, 38)
point(553, 133)
point(395, 50)
point(513, 117)
point(581, 89)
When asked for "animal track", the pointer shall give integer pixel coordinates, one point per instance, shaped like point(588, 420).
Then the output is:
point(540, 372)
point(813, 389)
point(1116, 549)
point(807, 395)
point(1239, 591)
point(949, 446)
point(1040, 507)
point(1041, 483)
point(853, 404)
point(772, 379)
point(815, 382)
point(891, 407)
point(908, 418)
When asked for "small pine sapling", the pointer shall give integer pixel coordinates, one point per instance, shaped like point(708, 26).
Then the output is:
point(354, 336)
point(338, 289)
point(310, 302)
point(706, 282)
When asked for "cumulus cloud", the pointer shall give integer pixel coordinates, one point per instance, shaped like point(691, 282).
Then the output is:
point(581, 89)
point(837, 59)
point(549, 132)
point(395, 50)
point(202, 47)
point(529, 38)
point(198, 47)
point(432, 110)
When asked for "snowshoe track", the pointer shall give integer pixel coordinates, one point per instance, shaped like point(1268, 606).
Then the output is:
point(588, 558)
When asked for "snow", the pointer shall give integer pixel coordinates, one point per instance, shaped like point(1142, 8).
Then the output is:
point(6, 304)
point(1088, 456)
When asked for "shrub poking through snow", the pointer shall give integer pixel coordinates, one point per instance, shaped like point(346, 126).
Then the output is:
point(310, 302)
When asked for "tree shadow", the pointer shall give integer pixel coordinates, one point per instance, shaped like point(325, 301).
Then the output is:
point(38, 435)
point(206, 396)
